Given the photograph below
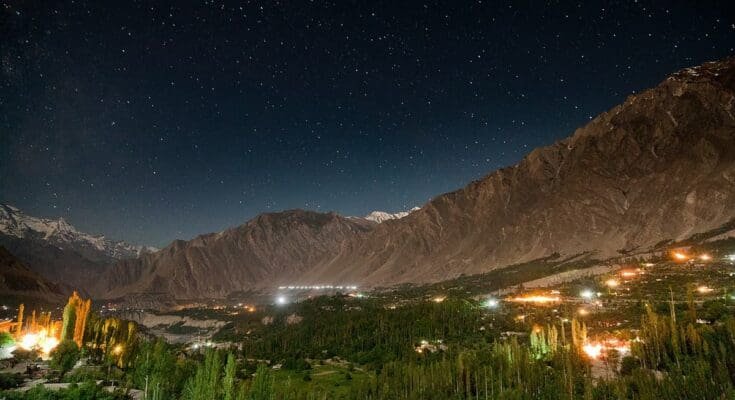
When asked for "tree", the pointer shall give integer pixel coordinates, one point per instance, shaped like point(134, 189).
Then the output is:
point(262, 388)
point(228, 382)
point(65, 356)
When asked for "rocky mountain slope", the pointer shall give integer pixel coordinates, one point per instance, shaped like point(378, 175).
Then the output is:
point(268, 250)
point(17, 280)
point(659, 166)
point(58, 251)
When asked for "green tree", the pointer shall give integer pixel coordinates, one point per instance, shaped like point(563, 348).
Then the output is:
point(228, 382)
point(65, 356)
point(262, 388)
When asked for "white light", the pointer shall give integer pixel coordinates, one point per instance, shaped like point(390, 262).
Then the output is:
point(731, 257)
point(281, 300)
point(587, 294)
point(492, 303)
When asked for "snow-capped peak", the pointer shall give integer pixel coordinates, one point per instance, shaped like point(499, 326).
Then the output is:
point(382, 216)
point(13, 222)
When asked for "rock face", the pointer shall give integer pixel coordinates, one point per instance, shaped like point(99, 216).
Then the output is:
point(659, 166)
point(267, 250)
point(17, 280)
point(59, 252)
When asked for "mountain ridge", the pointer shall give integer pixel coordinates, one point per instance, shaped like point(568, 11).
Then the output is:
point(659, 166)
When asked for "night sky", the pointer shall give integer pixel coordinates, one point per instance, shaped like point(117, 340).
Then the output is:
point(149, 121)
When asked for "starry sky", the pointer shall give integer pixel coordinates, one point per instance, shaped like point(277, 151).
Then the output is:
point(149, 121)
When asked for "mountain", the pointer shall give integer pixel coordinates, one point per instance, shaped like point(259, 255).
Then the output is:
point(382, 216)
point(58, 251)
point(271, 249)
point(660, 166)
point(17, 280)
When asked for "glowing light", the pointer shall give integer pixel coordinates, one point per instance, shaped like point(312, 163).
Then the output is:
point(438, 299)
point(731, 257)
point(704, 289)
point(679, 256)
point(492, 303)
point(38, 341)
point(48, 344)
point(593, 351)
point(612, 283)
point(705, 257)
point(583, 312)
point(29, 341)
point(539, 299)
point(628, 273)
point(117, 350)
point(587, 294)
point(281, 300)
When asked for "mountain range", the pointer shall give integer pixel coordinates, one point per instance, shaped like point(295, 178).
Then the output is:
point(58, 251)
point(660, 166)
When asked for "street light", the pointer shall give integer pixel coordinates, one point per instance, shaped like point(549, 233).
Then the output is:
point(492, 303)
point(587, 294)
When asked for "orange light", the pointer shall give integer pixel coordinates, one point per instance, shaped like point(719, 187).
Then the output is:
point(612, 283)
point(536, 299)
point(679, 256)
point(438, 299)
point(628, 273)
point(583, 312)
point(705, 257)
point(704, 289)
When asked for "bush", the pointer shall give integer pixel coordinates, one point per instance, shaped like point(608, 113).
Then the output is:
point(65, 356)
point(10, 381)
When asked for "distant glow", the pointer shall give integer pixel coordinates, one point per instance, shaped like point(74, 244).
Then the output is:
point(539, 299)
point(628, 273)
point(318, 287)
point(705, 257)
point(612, 283)
point(595, 350)
point(583, 312)
point(438, 299)
point(731, 257)
point(679, 256)
point(492, 303)
point(281, 300)
point(704, 289)
point(587, 294)
point(117, 350)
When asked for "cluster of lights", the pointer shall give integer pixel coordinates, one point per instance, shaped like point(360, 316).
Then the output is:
point(681, 256)
point(318, 287)
point(38, 341)
point(537, 299)
point(595, 350)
